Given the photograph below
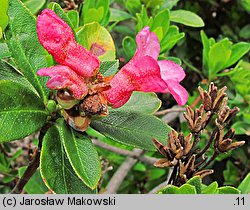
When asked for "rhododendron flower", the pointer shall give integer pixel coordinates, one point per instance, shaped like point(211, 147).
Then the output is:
point(144, 73)
point(83, 91)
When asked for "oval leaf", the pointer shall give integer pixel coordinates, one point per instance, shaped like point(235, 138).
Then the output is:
point(132, 128)
point(82, 155)
point(24, 46)
point(186, 18)
point(55, 167)
point(21, 112)
point(98, 40)
point(147, 103)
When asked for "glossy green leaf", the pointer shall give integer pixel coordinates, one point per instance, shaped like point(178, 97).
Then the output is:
point(218, 56)
point(94, 15)
point(59, 11)
point(34, 5)
point(129, 46)
point(74, 18)
point(227, 190)
point(205, 50)
point(146, 103)
point(117, 15)
point(186, 18)
point(55, 167)
point(4, 19)
point(24, 46)
point(82, 155)
point(132, 128)
point(211, 189)
point(4, 51)
point(21, 112)
point(244, 186)
point(196, 182)
point(35, 185)
point(8, 72)
point(184, 189)
point(171, 38)
point(161, 23)
point(109, 68)
point(98, 40)
point(238, 51)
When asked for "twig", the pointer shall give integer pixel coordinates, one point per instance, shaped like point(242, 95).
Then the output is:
point(33, 165)
point(209, 161)
point(121, 173)
point(166, 111)
point(163, 184)
point(143, 158)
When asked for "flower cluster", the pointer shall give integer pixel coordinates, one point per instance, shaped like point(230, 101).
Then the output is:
point(83, 92)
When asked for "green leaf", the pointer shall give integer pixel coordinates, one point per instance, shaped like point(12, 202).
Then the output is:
point(238, 51)
point(147, 103)
point(74, 18)
point(231, 174)
point(129, 46)
point(228, 190)
point(4, 51)
point(4, 19)
point(171, 38)
point(186, 18)
point(82, 155)
point(35, 185)
point(55, 167)
point(196, 182)
point(34, 5)
point(205, 50)
point(218, 56)
point(21, 112)
point(8, 72)
point(94, 15)
point(211, 189)
point(24, 46)
point(59, 11)
point(98, 40)
point(245, 32)
point(184, 189)
point(133, 6)
point(244, 186)
point(117, 15)
point(161, 21)
point(132, 128)
point(109, 68)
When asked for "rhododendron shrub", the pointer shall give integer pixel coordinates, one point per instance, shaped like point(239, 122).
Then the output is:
point(79, 87)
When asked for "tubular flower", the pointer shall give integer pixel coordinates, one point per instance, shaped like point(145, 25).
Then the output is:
point(82, 91)
point(144, 73)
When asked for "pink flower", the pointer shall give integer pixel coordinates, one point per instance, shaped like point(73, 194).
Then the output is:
point(76, 63)
point(145, 73)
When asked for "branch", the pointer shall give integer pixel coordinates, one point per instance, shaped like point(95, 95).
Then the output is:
point(166, 111)
point(133, 154)
point(33, 165)
point(121, 173)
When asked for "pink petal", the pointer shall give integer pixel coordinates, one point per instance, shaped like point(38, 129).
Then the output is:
point(179, 93)
point(141, 75)
point(171, 70)
point(64, 77)
point(121, 89)
point(58, 39)
point(147, 44)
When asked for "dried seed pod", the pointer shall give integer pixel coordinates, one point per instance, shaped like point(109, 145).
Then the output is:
point(204, 173)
